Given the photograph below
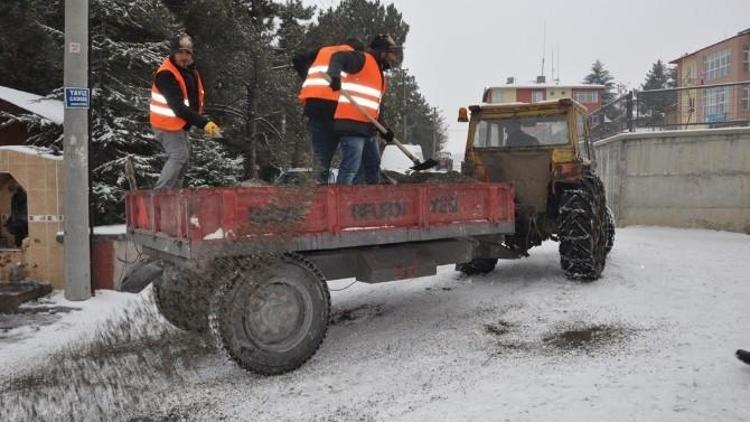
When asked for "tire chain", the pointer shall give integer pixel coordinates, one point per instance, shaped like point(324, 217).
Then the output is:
point(182, 297)
point(581, 214)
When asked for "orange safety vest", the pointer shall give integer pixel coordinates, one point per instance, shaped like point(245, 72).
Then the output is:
point(366, 88)
point(161, 115)
point(316, 86)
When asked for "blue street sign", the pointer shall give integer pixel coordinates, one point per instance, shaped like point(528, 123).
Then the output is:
point(79, 98)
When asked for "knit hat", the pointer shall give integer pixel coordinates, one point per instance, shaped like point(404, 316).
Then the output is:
point(383, 42)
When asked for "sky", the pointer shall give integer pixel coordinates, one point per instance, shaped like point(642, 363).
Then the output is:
point(456, 48)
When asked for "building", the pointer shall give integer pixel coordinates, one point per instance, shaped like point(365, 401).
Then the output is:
point(32, 187)
point(591, 96)
point(724, 62)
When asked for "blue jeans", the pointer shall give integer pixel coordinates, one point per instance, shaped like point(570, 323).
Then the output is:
point(324, 143)
point(359, 153)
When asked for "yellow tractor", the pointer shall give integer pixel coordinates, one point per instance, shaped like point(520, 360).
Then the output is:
point(544, 151)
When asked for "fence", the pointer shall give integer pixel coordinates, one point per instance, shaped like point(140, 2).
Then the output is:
point(695, 107)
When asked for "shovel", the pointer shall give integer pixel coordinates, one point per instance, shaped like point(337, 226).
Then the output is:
point(418, 165)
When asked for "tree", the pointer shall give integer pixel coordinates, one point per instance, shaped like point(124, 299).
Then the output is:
point(406, 110)
point(601, 76)
point(655, 107)
point(243, 50)
point(30, 56)
point(657, 77)
point(361, 19)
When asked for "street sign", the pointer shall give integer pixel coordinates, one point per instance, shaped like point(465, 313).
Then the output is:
point(78, 98)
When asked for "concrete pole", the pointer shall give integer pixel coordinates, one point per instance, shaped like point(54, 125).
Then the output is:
point(75, 150)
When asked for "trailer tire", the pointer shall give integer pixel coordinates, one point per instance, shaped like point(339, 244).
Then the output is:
point(580, 232)
point(270, 316)
point(477, 266)
point(182, 299)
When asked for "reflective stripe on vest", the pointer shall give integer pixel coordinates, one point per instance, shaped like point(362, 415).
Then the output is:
point(161, 114)
point(366, 88)
point(315, 85)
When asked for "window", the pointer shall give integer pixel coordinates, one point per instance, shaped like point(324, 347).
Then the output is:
point(521, 131)
point(537, 96)
point(586, 96)
point(745, 99)
point(747, 57)
point(716, 65)
point(715, 105)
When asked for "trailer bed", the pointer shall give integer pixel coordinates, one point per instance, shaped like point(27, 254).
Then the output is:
point(195, 223)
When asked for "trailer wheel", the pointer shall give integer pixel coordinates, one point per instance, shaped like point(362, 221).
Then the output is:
point(271, 316)
point(580, 231)
point(477, 266)
point(182, 299)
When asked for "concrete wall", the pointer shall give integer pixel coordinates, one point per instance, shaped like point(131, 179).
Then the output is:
point(697, 178)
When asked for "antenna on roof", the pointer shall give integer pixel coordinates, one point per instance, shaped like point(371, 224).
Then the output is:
point(552, 76)
point(544, 47)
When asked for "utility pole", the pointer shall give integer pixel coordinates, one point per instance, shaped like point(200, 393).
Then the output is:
point(76, 152)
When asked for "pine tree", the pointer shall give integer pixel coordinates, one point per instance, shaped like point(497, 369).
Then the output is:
point(655, 107)
point(361, 19)
point(407, 112)
point(128, 42)
point(657, 77)
point(30, 58)
point(600, 76)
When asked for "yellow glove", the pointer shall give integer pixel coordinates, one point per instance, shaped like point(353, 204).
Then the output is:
point(212, 129)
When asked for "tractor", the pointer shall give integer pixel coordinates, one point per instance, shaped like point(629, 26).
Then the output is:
point(544, 150)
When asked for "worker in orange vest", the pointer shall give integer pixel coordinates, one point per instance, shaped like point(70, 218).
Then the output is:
point(361, 75)
point(177, 100)
point(320, 102)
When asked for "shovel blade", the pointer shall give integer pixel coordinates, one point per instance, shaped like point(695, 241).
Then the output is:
point(425, 165)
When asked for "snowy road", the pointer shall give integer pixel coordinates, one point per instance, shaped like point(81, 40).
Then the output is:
point(667, 316)
point(653, 340)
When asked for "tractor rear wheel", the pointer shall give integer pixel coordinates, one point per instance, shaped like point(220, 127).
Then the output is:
point(609, 231)
point(582, 252)
point(271, 316)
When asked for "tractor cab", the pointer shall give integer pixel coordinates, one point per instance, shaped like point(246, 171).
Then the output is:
point(532, 146)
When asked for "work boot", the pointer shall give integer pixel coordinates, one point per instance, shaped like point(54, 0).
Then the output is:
point(743, 355)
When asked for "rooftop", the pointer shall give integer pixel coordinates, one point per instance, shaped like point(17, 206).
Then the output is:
point(50, 109)
point(546, 86)
point(739, 34)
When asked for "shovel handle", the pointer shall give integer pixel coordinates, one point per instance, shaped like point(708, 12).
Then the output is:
point(376, 123)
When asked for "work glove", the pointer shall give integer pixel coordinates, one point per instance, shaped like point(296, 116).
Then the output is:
point(335, 84)
point(212, 129)
point(388, 136)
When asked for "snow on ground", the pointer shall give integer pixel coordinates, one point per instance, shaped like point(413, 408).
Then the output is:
point(65, 323)
point(652, 340)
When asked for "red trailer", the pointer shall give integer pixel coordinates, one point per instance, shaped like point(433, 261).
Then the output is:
point(252, 263)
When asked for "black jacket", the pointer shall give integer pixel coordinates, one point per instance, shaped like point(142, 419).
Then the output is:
point(169, 87)
point(352, 62)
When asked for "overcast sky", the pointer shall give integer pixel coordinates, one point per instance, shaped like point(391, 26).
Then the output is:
point(456, 48)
